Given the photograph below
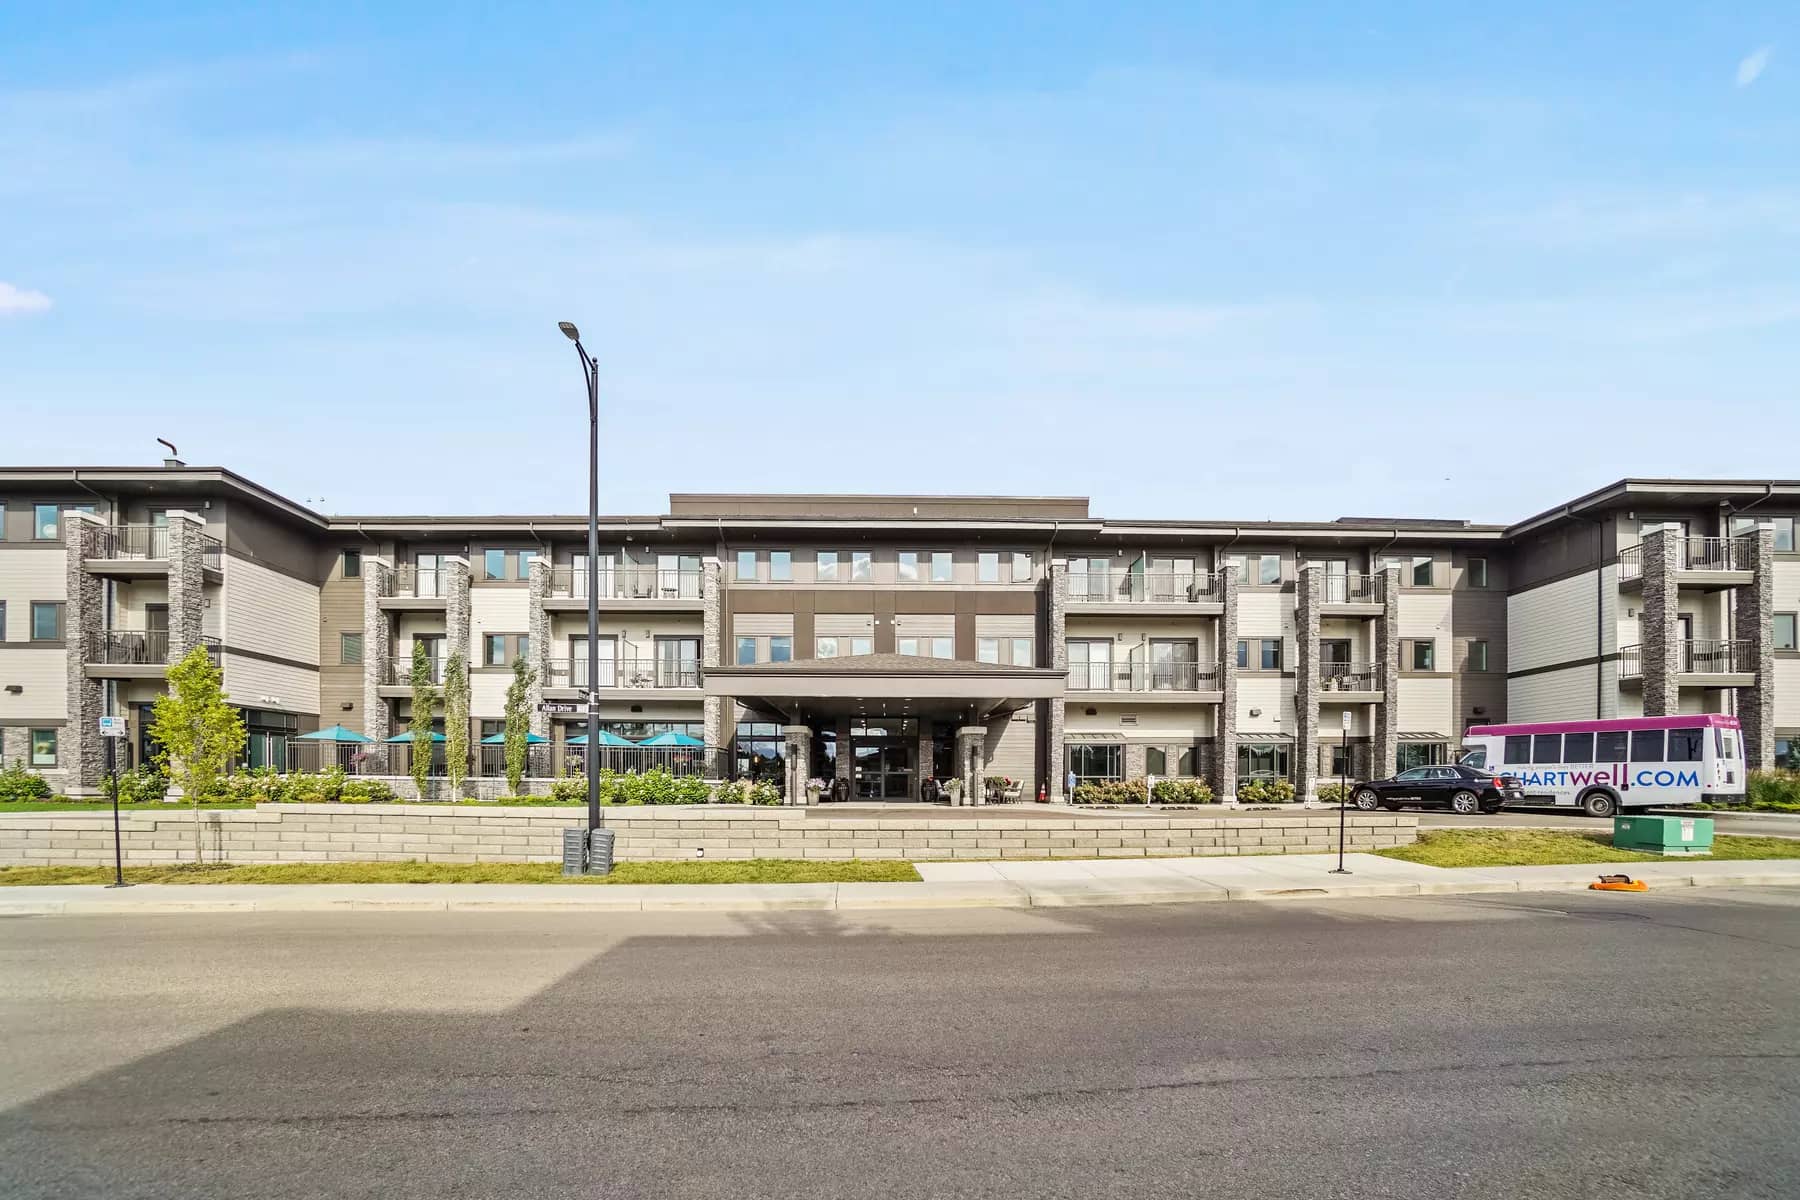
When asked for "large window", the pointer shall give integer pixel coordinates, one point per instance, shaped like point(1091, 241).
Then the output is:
point(759, 750)
point(1784, 530)
point(1090, 664)
point(1093, 762)
point(746, 565)
point(862, 568)
point(1409, 755)
point(940, 566)
point(46, 522)
point(781, 565)
point(46, 621)
point(1263, 570)
point(908, 566)
point(1264, 760)
point(493, 564)
point(828, 566)
point(1784, 631)
point(43, 747)
point(1014, 652)
point(987, 566)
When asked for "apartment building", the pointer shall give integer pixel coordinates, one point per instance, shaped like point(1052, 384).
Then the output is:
point(887, 641)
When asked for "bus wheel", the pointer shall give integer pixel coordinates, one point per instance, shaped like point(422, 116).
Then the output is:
point(1465, 803)
point(1599, 804)
point(1367, 800)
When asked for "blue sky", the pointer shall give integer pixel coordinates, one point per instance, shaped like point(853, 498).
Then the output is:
point(1232, 260)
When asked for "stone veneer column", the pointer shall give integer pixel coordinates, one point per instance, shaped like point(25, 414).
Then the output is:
point(797, 767)
point(1308, 595)
point(843, 768)
point(712, 654)
point(971, 759)
point(924, 759)
point(81, 752)
point(538, 628)
point(378, 649)
point(1386, 747)
point(456, 608)
point(1056, 712)
point(1752, 620)
point(1659, 625)
point(1135, 765)
point(1225, 721)
point(187, 583)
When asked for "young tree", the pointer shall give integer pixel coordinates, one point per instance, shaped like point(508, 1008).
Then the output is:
point(456, 724)
point(196, 733)
point(518, 722)
point(424, 696)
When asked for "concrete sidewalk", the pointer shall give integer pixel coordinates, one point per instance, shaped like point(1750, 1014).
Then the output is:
point(1058, 884)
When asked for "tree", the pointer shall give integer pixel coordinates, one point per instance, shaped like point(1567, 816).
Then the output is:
point(456, 724)
point(518, 722)
point(424, 697)
point(195, 731)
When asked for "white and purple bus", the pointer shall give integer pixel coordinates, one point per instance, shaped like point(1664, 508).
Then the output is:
point(1605, 766)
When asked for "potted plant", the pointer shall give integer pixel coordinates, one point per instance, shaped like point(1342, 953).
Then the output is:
point(814, 789)
point(954, 789)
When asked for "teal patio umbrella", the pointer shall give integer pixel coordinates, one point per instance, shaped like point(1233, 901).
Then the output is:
point(436, 737)
point(607, 738)
point(337, 733)
point(499, 739)
point(673, 738)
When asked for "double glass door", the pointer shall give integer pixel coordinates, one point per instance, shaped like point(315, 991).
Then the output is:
point(882, 760)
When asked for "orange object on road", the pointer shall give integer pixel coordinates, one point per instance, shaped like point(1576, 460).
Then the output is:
point(1619, 883)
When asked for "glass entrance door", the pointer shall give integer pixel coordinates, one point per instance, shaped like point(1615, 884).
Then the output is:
point(881, 761)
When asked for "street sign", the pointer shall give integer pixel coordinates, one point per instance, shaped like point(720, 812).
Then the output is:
point(559, 707)
point(112, 727)
point(1346, 716)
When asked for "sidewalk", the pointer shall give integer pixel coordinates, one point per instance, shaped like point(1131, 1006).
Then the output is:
point(1059, 884)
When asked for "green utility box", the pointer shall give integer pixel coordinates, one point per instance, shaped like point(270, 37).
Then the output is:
point(1663, 835)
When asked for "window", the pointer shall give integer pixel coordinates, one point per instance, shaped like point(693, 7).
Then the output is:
point(1422, 567)
point(1477, 573)
point(1784, 631)
point(943, 647)
point(350, 648)
point(1423, 655)
point(746, 564)
point(1546, 748)
point(522, 646)
point(352, 564)
point(861, 567)
point(759, 749)
point(1264, 569)
point(1784, 530)
point(1478, 655)
point(1646, 745)
point(781, 649)
point(987, 650)
point(1021, 566)
point(2, 520)
point(493, 649)
point(43, 747)
point(1271, 653)
point(781, 565)
point(46, 621)
point(746, 651)
point(862, 645)
point(1265, 761)
point(526, 558)
point(1685, 744)
point(825, 647)
point(1578, 747)
point(1518, 748)
point(2, 620)
point(828, 566)
point(1419, 755)
point(493, 564)
point(1787, 753)
point(940, 566)
point(1156, 761)
point(1092, 762)
point(907, 646)
point(987, 566)
point(909, 566)
point(1022, 655)
point(46, 522)
point(1611, 746)
point(1243, 655)
point(1340, 761)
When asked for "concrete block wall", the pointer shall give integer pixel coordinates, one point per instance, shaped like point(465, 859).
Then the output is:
point(285, 833)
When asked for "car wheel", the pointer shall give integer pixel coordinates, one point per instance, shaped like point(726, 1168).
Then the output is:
point(1599, 804)
point(1367, 800)
point(1465, 804)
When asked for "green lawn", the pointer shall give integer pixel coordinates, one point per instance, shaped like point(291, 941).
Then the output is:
point(761, 870)
point(66, 805)
point(1552, 847)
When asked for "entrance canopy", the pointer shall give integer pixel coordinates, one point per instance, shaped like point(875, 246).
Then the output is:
point(897, 684)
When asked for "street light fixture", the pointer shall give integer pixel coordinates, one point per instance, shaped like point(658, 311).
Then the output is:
point(590, 369)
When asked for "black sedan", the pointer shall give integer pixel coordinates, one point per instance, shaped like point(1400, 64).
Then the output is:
point(1460, 789)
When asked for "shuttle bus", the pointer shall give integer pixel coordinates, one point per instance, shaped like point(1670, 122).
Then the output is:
point(1606, 766)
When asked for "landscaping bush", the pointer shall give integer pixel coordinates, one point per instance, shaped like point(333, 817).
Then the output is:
point(1333, 793)
point(746, 791)
point(143, 784)
point(1265, 791)
point(568, 789)
point(1113, 791)
point(1779, 790)
point(16, 784)
point(1182, 791)
point(367, 791)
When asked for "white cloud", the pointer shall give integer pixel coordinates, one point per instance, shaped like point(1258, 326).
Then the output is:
point(14, 300)
point(1753, 65)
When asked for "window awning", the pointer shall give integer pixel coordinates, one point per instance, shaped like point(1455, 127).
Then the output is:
point(1264, 739)
point(1094, 737)
point(1424, 737)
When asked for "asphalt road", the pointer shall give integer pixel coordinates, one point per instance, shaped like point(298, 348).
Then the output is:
point(1549, 1046)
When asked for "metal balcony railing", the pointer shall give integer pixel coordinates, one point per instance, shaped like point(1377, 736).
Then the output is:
point(135, 647)
point(1347, 677)
point(614, 582)
point(150, 542)
point(1695, 554)
point(1350, 589)
point(1631, 661)
point(1141, 677)
point(624, 673)
point(1697, 656)
point(1142, 587)
point(411, 580)
point(399, 672)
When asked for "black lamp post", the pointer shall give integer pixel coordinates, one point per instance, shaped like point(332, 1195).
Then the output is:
point(590, 368)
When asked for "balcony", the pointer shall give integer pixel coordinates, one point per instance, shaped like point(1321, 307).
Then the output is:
point(416, 588)
point(630, 586)
point(1701, 562)
point(1157, 592)
point(1349, 681)
point(132, 653)
point(1173, 681)
point(1701, 662)
point(1351, 595)
point(396, 676)
point(136, 551)
point(633, 674)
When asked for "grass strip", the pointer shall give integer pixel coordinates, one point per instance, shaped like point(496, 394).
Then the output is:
point(759, 870)
point(1555, 847)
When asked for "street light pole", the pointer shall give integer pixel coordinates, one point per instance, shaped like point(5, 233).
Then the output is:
point(590, 368)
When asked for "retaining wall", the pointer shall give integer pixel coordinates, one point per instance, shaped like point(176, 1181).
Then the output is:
point(274, 833)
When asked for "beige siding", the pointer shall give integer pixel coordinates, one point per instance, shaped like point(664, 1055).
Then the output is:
point(1273, 696)
point(496, 610)
point(1787, 693)
point(27, 575)
point(1170, 723)
point(844, 625)
point(1362, 720)
point(270, 613)
point(1566, 695)
point(1555, 624)
point(1012, 749)
point(255, 683)
point(1427, 615)
point(924, 625)
point(1427, 706)
point(762, 624)
point(996, 625)
point(43, 676)
point(1265, 614)
point(487, 694)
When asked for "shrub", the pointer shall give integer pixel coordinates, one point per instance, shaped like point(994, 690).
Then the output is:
point(1773, 789)
point(1182, 791)
point(1333, 793)
point(255, 785)
point(367, 791)
point(16, 784)
point(1265, 791)
point(765, 792)
point(570, 788)
point(1113, 791)
point(143, 784)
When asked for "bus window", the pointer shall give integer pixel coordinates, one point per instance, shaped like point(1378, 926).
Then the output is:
point(1474, 756)
point(1518, 747)
point(1578, 748)
point(1685, 745)
point(1646, 745)
point(1546, 748)
point(1610, 747)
